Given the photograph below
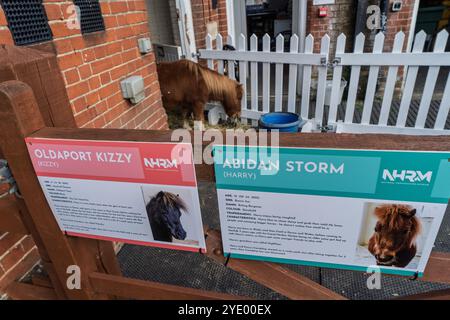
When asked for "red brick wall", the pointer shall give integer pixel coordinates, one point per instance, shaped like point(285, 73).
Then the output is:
point(399, 21)
point(202, 13)
point(341, 19)
point(93, 65)
point(5, 35)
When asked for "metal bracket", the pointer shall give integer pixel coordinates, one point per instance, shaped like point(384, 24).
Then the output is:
point(324, 61)
point(7, 178)
point(336, 61)
point(196, 55)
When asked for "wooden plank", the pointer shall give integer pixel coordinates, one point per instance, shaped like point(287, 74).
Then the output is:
point(372, 81)
point(276, 277)
point(41, 281)
point(305, 140)
point(391, 79)
point(10, 219)
point(266, 76)
point(19, 117)
point(41, 72)
point(306, 89)
point(293, 71)
point(354, 80)
point(410, 82)
point(146, 290)
point(438, 268)
point(25, 291)
point(279, 75)
point(430, 83)
point(322, 80)
point(336, 84)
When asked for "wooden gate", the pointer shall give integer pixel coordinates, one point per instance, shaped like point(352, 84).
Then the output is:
point(28, 210)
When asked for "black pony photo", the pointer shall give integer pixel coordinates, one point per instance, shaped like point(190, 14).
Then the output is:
point(164, 212)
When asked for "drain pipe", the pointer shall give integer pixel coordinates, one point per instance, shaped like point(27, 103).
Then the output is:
point(361, 16)
point(384, 4)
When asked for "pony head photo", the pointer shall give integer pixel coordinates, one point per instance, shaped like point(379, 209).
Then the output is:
point(164, 212)
point(393, 242)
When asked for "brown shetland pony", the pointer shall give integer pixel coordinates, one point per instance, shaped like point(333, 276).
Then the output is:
point(393, 242)
point(189, 85)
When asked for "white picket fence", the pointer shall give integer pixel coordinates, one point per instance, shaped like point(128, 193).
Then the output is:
point(259, 103)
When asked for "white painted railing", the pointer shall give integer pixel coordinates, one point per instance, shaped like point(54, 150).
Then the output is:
point(297, 98)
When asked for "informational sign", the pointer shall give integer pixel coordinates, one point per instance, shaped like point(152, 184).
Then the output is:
point(132, 192)
point(348, 209)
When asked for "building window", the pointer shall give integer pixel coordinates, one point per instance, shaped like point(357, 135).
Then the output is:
point(91, 19)
point(27, 21)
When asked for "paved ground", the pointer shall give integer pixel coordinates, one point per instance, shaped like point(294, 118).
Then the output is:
point(197, 271)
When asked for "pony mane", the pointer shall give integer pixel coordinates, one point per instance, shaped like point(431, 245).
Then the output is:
point(220, 87)
point(392, 216)
point(172, 200)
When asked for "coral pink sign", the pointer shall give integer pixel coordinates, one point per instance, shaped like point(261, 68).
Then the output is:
point(157, 163)
point(133, 192)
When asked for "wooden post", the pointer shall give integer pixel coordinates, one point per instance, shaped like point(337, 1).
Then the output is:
point(20, 117)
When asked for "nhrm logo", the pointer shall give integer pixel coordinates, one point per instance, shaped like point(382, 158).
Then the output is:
point(411, 176)
point(160, 163)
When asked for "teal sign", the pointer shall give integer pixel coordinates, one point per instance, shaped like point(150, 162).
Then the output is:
point(390, 175)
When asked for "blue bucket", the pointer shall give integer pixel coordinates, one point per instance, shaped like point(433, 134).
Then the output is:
point(282, 121)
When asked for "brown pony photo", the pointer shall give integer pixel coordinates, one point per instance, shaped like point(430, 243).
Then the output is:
point(189, 86)
point(394, 241)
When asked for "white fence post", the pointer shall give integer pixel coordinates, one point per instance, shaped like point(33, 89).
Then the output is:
point(410, 82)
point(354, 81)
point(306, 90)
point(266, 76)
point(292, 91)
point(254, 74)
point(372, 81)
point(444, 108)
point(279, 76)
point(337, 79)
point(231, 71)
point(242, 47)
point(428, 90)
point(209, 46)
point(391, 79)
point(219, 47)
point(322, 80)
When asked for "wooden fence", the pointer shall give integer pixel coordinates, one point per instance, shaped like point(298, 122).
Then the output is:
point(301, 65)
point(20, 117)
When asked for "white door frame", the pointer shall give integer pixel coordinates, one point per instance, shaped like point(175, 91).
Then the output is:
point(186, 28)
point(237, 20)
